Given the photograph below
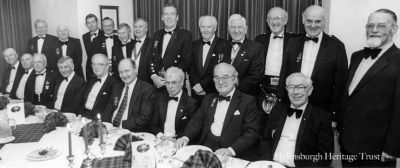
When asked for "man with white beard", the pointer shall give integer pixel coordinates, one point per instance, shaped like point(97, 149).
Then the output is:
point(369, 123)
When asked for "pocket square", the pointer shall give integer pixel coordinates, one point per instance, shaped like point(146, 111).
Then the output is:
point(246, 60)
point(213, 55)
point(184, 118)
point(272, 133)
point(237, 112)
point(104, 93)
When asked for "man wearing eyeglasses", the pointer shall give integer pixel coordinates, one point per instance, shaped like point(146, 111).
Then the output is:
point(321, 57)
point(227, 121)
point(370, 117)
point(174, 109)
point(299, 134)
point(98, 90)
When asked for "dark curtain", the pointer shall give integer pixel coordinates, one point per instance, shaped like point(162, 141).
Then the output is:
point(190, 10)
point(15, 27)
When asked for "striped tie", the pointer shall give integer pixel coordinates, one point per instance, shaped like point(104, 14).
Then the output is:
point(117, 119)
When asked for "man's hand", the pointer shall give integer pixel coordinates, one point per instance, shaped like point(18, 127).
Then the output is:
point(223, 152)
point(386, 157)
point(158, 80)
point(181, 142)
point(198, 89)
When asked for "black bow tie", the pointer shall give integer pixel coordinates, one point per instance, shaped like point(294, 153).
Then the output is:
point(93, 34)
point(235, 42)
point(40, 37)
point(167, 32)
point(12, 67)
point(373, 53)
point(123, 45)
point(291, 111)
point(66, 79)
point(206, 42)
point(64, 42)
point(109, 37)
point(137, 41)
point(26, 72)
point(40, 74)
point(172, 98)
point(227, 98)
point(275, 37)
point(98, 80)
point(314, 39)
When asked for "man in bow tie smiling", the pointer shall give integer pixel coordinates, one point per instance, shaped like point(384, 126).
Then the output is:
point(69, 46)
point(300, 129)
point(227, 121)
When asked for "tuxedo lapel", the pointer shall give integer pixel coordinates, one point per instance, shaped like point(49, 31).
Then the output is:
point(180, 110)
point(209, 55)
point(135, 97)
point(34, 46)
point(163, 108)
point(321, 55)
point(199, 54)
point(352, 70)
point(303, 123)
point(171, 41)
point(211, 111)
point(106, 82)
point(233, 106)
point(299, 56)
point(278, 129)
point(240, 54)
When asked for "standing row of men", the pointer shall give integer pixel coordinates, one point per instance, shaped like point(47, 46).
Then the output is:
point(225, 77)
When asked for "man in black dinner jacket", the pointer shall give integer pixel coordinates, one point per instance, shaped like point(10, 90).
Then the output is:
point(13, 73)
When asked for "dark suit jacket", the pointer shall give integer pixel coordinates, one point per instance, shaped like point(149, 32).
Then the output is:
point(176, 54)
point(145, 59)
point(249, 64)
point(48, 49)
point(185, 111)
point(240, 131)
point(73, 95)
point(264, 40)
point(118, 55)
point(102, 98)
point(74, 50)
point(370, 116)
point(99, 46)
point(141, 106)
point(330, 70)
point(89, 47)
point(315, 135)
point(46, 96)
point(17, 79)
point(204, 75)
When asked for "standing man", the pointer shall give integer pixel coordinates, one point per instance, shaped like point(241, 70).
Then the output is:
point(275, 44)
point(131, 105)
point(69, 89)
point(172, 46)
point(98, 91)
point(124, 48)
point(206, 52)
point(94, 33)
point(13, 72)
point(299, 129)
point(143, 49)
point(227, 121)
point(245, 55)
point(370, 117)
point(27, 64)
point(69, 46)
point(321, 57)
point(44, 43)
point(174, 109)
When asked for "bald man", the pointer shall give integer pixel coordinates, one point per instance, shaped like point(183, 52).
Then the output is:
point(321, 57)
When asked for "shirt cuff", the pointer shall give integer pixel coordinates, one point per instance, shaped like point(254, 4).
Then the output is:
point(153, 75)
point(186, 138)
point(232, 151)
point(159, 135)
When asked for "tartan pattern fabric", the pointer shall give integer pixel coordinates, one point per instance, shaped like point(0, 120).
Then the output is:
point(124, 143)
point(118, 117)
point(54, 120)
point(27, 133)
point(202, 159)
point(111, 162)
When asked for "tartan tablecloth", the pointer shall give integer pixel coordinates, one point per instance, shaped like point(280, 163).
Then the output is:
point(111, 162)
point(28, 133)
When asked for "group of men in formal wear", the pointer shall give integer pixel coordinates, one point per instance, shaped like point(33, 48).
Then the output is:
point(140, 84)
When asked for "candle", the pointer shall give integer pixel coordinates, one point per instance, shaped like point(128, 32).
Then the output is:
point(100, 129)
point(69, 140)
point(85, 134)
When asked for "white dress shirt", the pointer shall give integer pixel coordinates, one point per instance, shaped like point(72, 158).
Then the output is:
point(273, 62)
point(206, 49)
point(169, 125)
point(136, 53)
point(123, 48)
point(11, 79)
point(235, 50)
point(166, 39)
point(130, 91)
point(21, 87)
point(310, 53)
point(40, 44)
point(220, 114)
point(39, 82)
point(61, 91)
point(109, 45)
point(364, 66)
point(64, 49)
point(284, 152)
point(94, 92)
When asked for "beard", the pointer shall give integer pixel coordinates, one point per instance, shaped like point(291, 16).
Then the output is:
point(374, 42)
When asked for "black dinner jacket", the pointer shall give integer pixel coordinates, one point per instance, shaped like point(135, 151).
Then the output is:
point(46, 96)
point(100, 47)
point(370, 116)
point(315, 135)
point(204, 75)
point(118, 55)
point(102, 98)
point(177, 53)
point(145, 59)
point(48, 49)
point(249, 64)
point(73, 95)
point(74, 50)
point(141, 106)
point(185, 111)
point(264, 40)
point(241, 124)
point(89, 47)
point(17, 79)
point(329, 73)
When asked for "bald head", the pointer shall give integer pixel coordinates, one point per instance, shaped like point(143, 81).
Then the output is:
point(314, 20)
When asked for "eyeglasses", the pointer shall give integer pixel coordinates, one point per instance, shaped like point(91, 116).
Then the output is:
point(379, 26)
point(222, 78)
point(100, 64)
point(278, 18)
point(301, 88)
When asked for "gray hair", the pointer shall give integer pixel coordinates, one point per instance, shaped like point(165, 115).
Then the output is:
point(41, 56)
point(66, 59)
point(176, 70)
point(301, 75)
point(62, 27)
point(37, 21)
point(213, 19)
point(236, 17)
point(314, 7)
point(283, 11)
